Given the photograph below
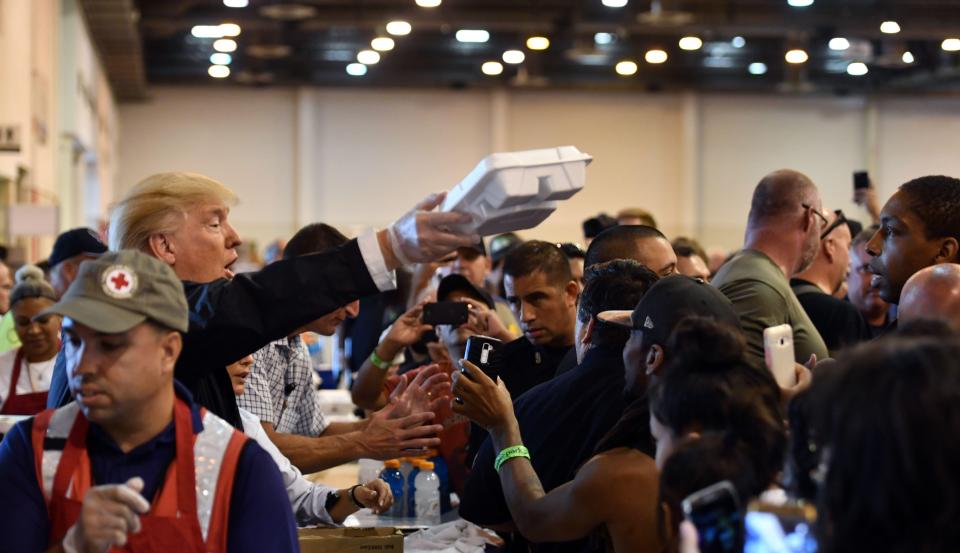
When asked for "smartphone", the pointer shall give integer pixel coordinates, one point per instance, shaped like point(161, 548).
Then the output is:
point(715, 511)
point(778, 353)
point(861, 180)
point(484, 352)
point(787, 528)
point(454, 313)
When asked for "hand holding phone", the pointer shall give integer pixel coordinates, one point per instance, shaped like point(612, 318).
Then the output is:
point(715, 511)
point(484, 352)
point(785, 528)
point(779, 356)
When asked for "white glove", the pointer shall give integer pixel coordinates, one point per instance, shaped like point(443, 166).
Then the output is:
point(423, 235)
point(109, 513)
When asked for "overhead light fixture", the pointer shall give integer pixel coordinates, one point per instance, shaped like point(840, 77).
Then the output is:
point(602, 39)
point(538, 43)
point(690, 43)
point(225, 45)
point(614, 3)
point(356, 69)
point(626, 68)
point(368, 57)
point(514, 57)
point(800, 3)
point(428, 3)
point(399, 28)
point(857, 69)
point(890, 27)
point(738, 42)
point(796, 56)
point(472, 35)
point(206, 31)
point(757, 68)
point(951, 45)
point(236, 3)
point(655, 56)
point(839, 43)
point(288, 11)
point(220, 58)
point(492, 68)
point(382, 44)
point(229, 29)
point(219, 71)
point(907, 57)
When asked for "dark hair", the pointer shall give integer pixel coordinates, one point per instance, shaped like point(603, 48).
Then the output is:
point(686, 247)
point(314, 238)
point(571, 250)
point(864, 235)
point(537, 255)
point(617, 284)
point(593, 226)
point(618, 243)
point(892, 429)
point(935, 200)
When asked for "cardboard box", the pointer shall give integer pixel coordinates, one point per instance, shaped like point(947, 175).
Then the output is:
point(350, 540)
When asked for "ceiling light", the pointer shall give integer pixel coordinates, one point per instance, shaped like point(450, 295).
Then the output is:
point(428, 3)
point(219, 58)
point(269, 51)
point(288, 11)
point(796, 56)
point(219, 71)
point(225, 45)
point(356, 69)
point(626, 68)
point(206, 31)
point(757, 68)
point(690, 43)
point(513, 56)
point(738, 42)
point(890, 27)
point(368, 57)
point(399, 28)
point(602, 39)
point(907, 57)
point(800, 3)
point(236, 3)
point(229, 29)
point(492, 68)
point(951, 44)
point(655, 56)
point(857, 69)
point(472, 35)
point(382, 44)
point(614, 3)
point(839, 43)
point(538, 43)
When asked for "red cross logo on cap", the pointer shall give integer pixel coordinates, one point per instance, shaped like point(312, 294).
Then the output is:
point(119, 281)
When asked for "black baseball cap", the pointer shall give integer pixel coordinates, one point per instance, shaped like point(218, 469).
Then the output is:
point(454, 282)
point(478, 249)
point(502, 244)
point(76, 242)
point(670, 300)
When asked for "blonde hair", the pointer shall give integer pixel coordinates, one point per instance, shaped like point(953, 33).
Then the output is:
point(159, 204)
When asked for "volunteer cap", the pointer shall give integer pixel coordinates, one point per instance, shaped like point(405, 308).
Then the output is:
point(122, 289)
point(76, 242)
point(670, 300)
point(454, 282)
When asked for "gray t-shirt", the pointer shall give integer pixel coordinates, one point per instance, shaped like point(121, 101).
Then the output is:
point(762, 297)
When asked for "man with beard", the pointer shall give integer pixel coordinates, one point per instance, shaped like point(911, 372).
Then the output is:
point(782, 239)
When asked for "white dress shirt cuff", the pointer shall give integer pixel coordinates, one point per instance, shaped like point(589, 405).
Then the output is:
point(373, 258)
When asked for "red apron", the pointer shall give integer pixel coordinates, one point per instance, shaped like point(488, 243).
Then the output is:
point(171, 524)
point(22, 404)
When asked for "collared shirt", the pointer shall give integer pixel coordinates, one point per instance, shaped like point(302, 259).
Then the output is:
point(280, 389)
point(260, 515)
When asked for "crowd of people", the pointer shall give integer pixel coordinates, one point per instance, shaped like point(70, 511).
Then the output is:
point(173, 402)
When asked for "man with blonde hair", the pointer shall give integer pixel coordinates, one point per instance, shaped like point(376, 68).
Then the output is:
point(182, 219)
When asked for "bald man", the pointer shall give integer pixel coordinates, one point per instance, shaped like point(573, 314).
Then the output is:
point(933, 293)
point(782, 239)
point(839, 322)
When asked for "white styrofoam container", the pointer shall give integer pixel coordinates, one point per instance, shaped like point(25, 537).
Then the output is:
point(517, 190)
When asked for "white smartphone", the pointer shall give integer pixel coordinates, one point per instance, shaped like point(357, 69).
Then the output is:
point(778, 353)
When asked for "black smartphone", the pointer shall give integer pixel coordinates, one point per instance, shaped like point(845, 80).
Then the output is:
point(861, 180)
point(715, 511)
point(484, 352)
point(454, 313)
point(787, 528)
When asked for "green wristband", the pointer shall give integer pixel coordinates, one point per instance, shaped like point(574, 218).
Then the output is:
point(510, 453)
point(377, 362)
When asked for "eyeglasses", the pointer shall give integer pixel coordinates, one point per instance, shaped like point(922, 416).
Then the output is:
point(817, 213)
point(840, 220)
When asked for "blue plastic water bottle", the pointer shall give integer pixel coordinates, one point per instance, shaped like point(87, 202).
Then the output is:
point(391, 475)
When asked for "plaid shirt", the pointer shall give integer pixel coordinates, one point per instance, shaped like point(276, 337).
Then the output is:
point(280, 389)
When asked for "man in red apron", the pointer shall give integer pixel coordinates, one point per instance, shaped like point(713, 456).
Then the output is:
point(133, 464)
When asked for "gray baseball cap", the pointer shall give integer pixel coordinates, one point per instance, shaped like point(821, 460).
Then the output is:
point(122, 289)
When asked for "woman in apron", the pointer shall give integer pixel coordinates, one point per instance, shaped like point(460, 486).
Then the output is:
point(25, 372)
